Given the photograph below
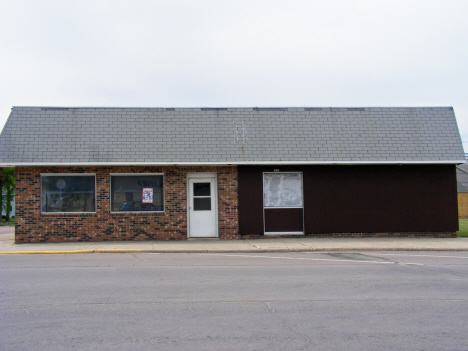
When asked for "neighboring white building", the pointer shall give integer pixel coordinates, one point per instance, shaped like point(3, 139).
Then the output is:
point(12, 213)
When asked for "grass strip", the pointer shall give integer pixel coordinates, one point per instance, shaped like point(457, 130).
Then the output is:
point(463, 228)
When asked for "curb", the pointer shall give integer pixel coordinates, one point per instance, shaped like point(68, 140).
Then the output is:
point(220, 251)
point(45, 252)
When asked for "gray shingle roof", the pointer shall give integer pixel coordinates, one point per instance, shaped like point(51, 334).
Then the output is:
point(45, 135)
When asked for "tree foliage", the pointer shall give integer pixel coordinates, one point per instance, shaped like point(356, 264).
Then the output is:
point(8, 190)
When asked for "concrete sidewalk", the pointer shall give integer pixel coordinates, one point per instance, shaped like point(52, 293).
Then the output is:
point(7, 245)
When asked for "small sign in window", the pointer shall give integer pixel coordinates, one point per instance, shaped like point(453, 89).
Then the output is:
point(147, 195)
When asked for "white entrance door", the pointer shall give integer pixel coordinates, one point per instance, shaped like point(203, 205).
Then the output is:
point(202, 207)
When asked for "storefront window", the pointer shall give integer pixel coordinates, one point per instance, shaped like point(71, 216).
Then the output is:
point(135, 193)
point(68, 193)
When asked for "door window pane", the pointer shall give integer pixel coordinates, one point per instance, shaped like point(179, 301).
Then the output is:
point(282, 190)
point(202, 204)
point(127, 193)
point(67, 193)
point(201, 189)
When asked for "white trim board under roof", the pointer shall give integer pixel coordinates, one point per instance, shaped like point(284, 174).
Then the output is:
point(299, 163)
point(94, 136)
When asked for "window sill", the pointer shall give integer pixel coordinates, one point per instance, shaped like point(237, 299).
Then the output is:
point(284, 233)
point(138, 213)
point(68, 214)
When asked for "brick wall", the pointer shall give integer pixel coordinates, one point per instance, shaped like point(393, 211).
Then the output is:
point(462, 205)
point(32, 226)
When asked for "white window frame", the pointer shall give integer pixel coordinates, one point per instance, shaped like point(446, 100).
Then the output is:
point(263, 190)
point(67, 175)
point(137, 175)
point(268, 208)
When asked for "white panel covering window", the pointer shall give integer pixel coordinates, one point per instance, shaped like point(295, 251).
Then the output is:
point(282, 190)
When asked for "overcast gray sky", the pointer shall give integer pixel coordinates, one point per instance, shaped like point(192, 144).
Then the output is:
point(234, 54)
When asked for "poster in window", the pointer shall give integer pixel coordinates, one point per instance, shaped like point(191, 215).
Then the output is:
point(147, 195)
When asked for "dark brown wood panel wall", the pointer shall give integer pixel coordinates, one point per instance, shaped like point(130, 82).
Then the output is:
point(250, 200)
point(284, 220)
point(367, 199)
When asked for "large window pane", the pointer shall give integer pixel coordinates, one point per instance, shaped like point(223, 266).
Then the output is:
point(282, 189)
point(127, 193)
point(67, 193)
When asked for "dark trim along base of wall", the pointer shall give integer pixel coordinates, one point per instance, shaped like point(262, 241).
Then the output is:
point(358, 235)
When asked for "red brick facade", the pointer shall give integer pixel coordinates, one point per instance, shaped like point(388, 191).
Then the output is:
point(34, 226)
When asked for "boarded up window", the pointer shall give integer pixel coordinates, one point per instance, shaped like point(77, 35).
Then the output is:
point(282, 189)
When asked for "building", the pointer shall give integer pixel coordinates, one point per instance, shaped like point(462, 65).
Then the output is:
point(12, 213)
point(462, 188)
point(97, 174)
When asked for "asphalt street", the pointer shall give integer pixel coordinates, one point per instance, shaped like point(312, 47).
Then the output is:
point(235, 301)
